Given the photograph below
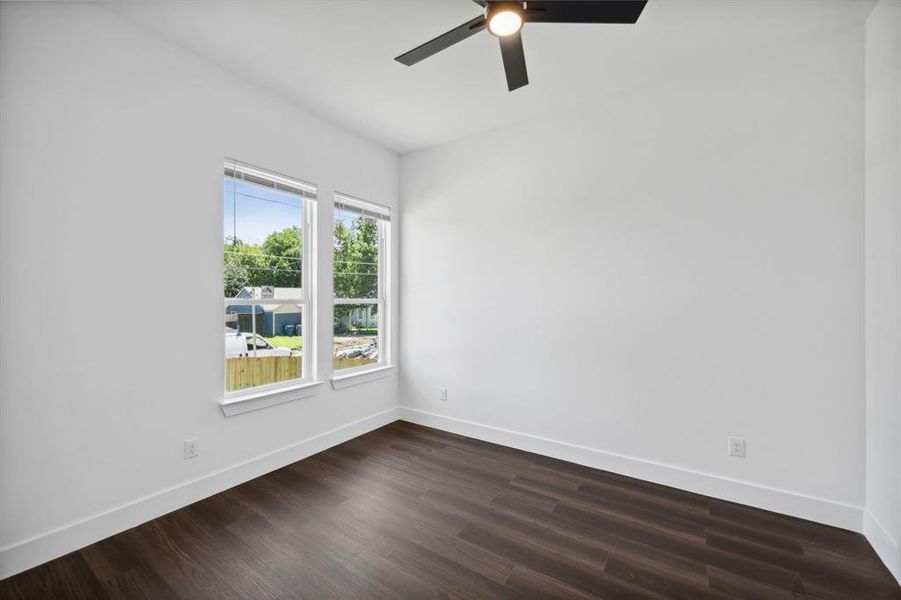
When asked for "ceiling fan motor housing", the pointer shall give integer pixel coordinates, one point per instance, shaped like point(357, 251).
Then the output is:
point(505, 18)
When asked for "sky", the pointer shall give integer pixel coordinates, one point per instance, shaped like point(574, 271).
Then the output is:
point(261, 210)
point(252, 212)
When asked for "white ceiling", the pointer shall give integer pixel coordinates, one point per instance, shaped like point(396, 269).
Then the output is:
point(335, 57)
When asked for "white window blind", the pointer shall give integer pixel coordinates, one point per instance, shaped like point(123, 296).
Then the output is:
point(363, 208)
point(245, 172)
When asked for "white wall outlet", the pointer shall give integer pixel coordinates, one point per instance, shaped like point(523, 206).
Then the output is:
point(192, 448)
point(443, 394)
point(737, 446)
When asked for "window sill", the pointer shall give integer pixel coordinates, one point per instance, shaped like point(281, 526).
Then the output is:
point(345, 380)
point(238, 405)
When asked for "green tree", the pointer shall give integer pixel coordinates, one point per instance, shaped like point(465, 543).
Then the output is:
point(283, 257)
point(242, 265)
point(236, 278)
point(276, 262)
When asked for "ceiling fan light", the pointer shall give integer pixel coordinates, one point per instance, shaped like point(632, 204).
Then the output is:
point(504, 22)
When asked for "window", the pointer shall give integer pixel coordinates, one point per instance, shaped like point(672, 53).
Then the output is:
point(258, 343)
point(361, 283)
point(268, 300)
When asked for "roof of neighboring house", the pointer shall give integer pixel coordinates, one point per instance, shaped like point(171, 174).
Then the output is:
point(279, 293)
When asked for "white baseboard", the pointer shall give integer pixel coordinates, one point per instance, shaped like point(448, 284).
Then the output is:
point(42, 548)
point(883, 543)
point(786, 502)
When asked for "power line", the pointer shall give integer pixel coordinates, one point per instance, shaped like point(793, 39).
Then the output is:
point(298, 207)
point(255, 255)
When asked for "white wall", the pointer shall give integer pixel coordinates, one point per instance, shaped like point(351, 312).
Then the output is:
point(629, 284)
point(111, 155)
point(882, 522)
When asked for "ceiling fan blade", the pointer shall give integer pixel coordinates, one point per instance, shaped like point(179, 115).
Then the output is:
point(584, 11)
point(482, 3)
point(514, 61)
point(445, 40)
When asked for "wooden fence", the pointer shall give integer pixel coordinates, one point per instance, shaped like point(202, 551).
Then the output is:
point(347, 363)
point(249, 371)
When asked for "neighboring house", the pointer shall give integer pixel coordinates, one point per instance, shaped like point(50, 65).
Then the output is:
point(361, 318)
point(271, 318)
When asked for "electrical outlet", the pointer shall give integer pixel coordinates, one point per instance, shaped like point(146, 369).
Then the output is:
point(192, 448)
point(737, 447)
point(443, 396)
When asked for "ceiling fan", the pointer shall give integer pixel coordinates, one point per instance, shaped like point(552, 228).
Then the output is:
point(505, 19)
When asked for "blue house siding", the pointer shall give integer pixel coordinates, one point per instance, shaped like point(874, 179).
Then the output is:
point(245, 323)
point(281, 320)
point(268, 323)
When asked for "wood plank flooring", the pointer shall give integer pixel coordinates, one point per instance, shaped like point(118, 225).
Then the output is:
point(411, 512)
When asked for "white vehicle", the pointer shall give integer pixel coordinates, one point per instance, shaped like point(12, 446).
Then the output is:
point(249, 344)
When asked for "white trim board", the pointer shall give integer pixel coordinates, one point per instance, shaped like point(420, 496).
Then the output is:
point(52, 544)
point(885, 546)
point(346, 380)
point(787, 502)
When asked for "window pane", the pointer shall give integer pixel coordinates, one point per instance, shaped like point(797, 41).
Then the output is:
point(263, 344)
point(356, 335)
point(356, 256)
point(263, 230)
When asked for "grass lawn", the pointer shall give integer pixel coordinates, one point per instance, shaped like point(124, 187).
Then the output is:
point(286, 341)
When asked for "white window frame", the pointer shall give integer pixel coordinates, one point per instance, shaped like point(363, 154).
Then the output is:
point(306, 302)
point(382, 215)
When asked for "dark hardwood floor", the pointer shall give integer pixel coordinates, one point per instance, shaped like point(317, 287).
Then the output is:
point(412, 512)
